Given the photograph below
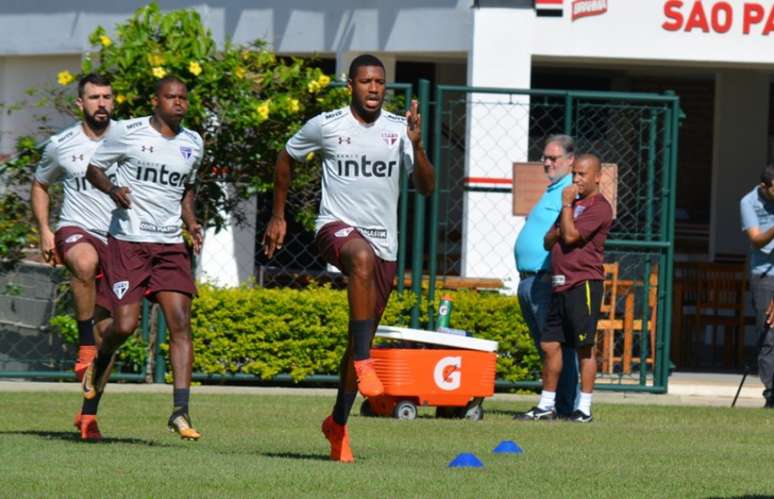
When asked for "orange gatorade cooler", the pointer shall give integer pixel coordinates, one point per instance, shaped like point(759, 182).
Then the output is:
point(452, 373)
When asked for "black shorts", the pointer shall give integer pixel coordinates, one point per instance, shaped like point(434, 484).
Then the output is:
point(572, 318)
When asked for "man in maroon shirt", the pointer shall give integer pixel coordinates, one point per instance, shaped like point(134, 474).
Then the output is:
point(577, 244)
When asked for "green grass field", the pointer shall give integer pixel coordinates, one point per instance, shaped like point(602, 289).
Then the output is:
point(271, 446)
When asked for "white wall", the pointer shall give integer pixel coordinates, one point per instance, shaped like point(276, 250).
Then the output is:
point(19, 74)
point(740, 149)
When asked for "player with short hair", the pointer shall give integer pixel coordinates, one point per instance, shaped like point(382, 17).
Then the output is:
point(80, 239)
point(157, 159)
point(364, 149)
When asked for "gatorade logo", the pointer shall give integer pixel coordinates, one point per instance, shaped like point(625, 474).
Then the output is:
point(447, 375)
point(120, 288)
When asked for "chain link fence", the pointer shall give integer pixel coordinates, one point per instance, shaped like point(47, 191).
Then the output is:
point(488, 143)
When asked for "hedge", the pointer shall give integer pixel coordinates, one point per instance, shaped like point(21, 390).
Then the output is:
point(266, 332)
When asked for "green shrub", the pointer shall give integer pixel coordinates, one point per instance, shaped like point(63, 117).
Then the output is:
point(266, 332)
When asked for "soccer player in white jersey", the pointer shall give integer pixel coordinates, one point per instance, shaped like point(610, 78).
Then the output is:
point(80, 240)
point(156, 161)
point(363, 149)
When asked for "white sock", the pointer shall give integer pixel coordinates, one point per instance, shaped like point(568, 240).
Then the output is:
point(584, 404)
point(547, 400)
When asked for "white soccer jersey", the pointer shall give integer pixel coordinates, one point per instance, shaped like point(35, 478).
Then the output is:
point(156, 169)
point(361, 172)
point(65, 159)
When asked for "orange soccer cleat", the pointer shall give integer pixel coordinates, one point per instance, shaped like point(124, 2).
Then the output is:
point(86, 354)
point(180, 423)
point(338, 436)
point(367, 381)
point(87, 425)
point(92, 385)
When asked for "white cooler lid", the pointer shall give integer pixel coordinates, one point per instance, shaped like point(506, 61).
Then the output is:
point(435, 338)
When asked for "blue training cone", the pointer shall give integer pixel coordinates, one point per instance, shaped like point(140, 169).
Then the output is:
point(466, 460)
point(507, 447)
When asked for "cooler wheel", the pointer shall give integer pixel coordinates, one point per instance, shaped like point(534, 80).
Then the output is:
point(405, 409)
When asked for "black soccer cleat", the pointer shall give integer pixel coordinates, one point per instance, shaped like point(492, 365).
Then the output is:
point(537, 414)
point(579, 416)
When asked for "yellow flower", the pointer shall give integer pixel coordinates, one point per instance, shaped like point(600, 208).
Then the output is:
point(194, 68)
point(155, 59)
point(313, 87)
point(159, 72)
point(64, 77)
point(240, 72)
point(263, 110)
point(324, 80)
point(120, 99)
point(294, 105)
point(310, 156)
point(105, 40)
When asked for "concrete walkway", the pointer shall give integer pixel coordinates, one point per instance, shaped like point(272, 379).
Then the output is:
point(686, 389)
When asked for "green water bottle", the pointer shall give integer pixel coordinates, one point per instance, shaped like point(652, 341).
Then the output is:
point(444, 313)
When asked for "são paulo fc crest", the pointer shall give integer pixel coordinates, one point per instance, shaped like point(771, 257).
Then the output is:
point(389, 138)
point(186, 152)
point(73, 238)
point(120, 288)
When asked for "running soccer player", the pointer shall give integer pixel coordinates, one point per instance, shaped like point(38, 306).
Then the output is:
point(156, 161)
point(363, 149)
point(80, 238)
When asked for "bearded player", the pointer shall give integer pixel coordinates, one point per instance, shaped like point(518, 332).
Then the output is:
point(80, 240)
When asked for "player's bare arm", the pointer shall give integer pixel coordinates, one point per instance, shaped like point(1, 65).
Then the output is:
point(770, 313)
point(423, 177)
point(119, 195)
point(189, 219)
point(567, 231)
point(759, 238)
point(551, 237)
point(277, 227)
point(40, 204)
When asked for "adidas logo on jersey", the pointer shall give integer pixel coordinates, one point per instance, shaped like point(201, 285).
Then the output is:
point(365, 168)
point(120, 288)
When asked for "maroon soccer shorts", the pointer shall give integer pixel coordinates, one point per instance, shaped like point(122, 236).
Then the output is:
point(67, 237)
point(138, 270)
point(331, 239)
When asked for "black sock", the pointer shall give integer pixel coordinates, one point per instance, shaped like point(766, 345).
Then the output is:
point(344, 403)
point(101, 363)
point(360, 332)
point(86, 332)
point(180, 397)
point(89, 407)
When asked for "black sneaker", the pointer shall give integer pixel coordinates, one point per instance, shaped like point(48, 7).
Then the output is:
point(579, 416)
point(769, 403)
point(536, 414)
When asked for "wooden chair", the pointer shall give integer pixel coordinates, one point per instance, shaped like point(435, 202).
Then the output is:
point(649, 328)
point(710, 298)
point(605, 341)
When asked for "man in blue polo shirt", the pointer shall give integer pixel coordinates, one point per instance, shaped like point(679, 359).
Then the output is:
point(757, 208)
point(534, 264)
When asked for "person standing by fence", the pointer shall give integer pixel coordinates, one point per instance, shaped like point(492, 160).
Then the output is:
point(577, 245)
point(534, 263)
point(757, 210)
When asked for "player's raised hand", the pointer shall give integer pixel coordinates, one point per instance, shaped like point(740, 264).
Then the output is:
point(120, 196)
point(48, 249)
point(413, 123)
point(274, 236)
point(197, 236)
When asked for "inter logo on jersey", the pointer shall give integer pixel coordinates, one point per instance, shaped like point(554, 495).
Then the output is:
point(120, 288)
point(389, 138)
point(186, 152)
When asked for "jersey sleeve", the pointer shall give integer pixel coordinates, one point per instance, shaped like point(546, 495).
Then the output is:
point(749, 218)
point(595, 216)
point(49, 170)
point(306, 140)
point(113, 149)
point(197, 162)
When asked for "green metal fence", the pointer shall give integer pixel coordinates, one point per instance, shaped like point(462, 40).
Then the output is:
point(480, 132)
